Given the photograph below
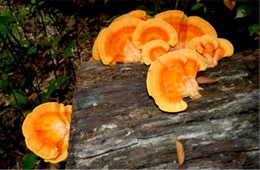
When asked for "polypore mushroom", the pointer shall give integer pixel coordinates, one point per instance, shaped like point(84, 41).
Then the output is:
point(116, 45)
point(211, 48)
point(95, 49)
point(186, 27)
point(154, 29)
point(154, 49)
point(172, 77)
point(140, 14)
point(46, 131)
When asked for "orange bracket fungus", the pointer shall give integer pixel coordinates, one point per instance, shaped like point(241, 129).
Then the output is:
point(174, 45)
point(95, 49)
point(211, 48)
point(186, 27)
point(172, 77)
point(154, 29)
point(116, 45)
point(140, 14)
point(154, 49)
point(46, 131)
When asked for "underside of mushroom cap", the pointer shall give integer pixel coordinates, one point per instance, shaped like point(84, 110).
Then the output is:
point(44, 129)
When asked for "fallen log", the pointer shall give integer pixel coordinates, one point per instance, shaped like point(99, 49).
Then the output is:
point(115, 124)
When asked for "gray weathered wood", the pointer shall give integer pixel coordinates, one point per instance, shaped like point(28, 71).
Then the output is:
point(115, 124)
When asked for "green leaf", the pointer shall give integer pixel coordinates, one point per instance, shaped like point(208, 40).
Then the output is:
point(68, 52)
point(33, 1)
point(29, 161)
point(17, 95)
point(54, 55)
point(150, 12)
point(40, 3)
point(105, 1)
point(243, 11)
point(141, 7)
point(4, 83)
point(3, 29)
point(253, 28)
point(24, 42)
point(6, 13)
point(205, 9)
point(54, 85)
point(4, 76)
point(5, 19)
point(20, 17)
point(197, 6)
point(31, 50)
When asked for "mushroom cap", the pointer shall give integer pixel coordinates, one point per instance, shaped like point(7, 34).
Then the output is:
point(211, 48)
point(95, 49)
point(116, 45)
point(172, 77)
point(197, 26)
point(46, 130)
point(154, 29)
point(205, 44)
point(154, 49)
point(186, 27)
point(226, 48)
point(140, 14)
point(174, 18)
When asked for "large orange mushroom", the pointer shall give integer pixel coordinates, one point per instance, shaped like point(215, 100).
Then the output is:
point(172, 77)
point(186, 27)
point(154, 29)
point(46, 131)
point(116, 44)
point(212, 48)
point(154, 49)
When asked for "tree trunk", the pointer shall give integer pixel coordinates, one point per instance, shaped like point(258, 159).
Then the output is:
point(115, 124)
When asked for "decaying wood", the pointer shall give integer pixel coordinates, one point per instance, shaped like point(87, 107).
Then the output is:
point(115, 124)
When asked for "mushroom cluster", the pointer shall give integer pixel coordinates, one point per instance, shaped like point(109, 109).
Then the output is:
point(174, 45)
point(46, 131)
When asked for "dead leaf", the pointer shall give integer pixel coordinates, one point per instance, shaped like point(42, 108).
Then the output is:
point(230, 4)
point(180, 151)
point(206, 80)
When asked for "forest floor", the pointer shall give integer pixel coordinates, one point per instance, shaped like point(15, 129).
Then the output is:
point(12, 145)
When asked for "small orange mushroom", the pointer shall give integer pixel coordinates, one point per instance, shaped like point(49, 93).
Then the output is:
point(172, 77)
point(154, 49)
point(116, 44)
point(154, 29)
point(46, 131)
point(211, 48)
point(186, 27)
point(140, 14)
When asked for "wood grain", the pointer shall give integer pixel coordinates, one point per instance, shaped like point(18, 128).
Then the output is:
point(115, 124)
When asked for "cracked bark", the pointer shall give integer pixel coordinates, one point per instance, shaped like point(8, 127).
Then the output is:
point(115, 124)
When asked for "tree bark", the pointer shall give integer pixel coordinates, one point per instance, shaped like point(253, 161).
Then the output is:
point(115, 124)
